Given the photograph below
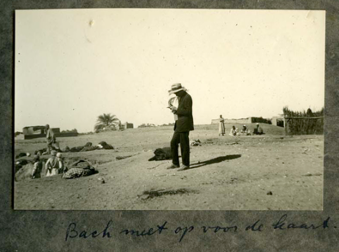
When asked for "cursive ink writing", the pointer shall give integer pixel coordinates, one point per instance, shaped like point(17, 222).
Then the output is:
point(282, 224)
point(144, 232)
point(183, 231)
point(72, 232)
point(254, 227)
point(218, 228)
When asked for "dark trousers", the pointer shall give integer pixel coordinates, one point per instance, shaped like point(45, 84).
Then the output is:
point(182, 138)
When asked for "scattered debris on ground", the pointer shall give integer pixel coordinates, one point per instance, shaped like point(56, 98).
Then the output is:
point(305, 151)
point(315, 174)
point(233, 180)
point(195, 142)
point(103, 181)
point(209, 141)
point(160, 192)
point(123, 157)
point(233, 143)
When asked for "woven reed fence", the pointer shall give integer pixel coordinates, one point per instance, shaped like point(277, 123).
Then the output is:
point(304, 122)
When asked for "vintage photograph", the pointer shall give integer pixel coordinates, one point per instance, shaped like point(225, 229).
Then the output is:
point(169, 109)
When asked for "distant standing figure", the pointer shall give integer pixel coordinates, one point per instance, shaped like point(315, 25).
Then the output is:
point(50, 137)
point(221, 126)
point(233, 131)
point(52, 165)
point(182, 127)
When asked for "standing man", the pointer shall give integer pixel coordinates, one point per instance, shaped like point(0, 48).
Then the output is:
point(182, 127)
point(221, 126)
point(50, 137)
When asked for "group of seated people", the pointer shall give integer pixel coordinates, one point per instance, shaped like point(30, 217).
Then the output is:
point(54, 165)
point(245, 131)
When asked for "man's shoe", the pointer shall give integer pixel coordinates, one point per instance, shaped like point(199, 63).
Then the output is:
point(183, 168)
point(173, 166)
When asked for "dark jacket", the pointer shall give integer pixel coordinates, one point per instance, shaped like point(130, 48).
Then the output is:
point(184, 112)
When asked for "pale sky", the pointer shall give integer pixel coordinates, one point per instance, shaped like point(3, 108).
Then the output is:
point(73, 65)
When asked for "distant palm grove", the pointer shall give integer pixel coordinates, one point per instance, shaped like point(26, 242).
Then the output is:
point(107, 122)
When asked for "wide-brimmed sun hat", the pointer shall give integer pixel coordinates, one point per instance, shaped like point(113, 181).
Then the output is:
point(176, 88)
point(59, 155)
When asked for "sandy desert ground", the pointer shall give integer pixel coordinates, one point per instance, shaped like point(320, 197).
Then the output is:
point(268, 172)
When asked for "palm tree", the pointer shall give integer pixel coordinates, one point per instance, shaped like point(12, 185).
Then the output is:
point(106, 120)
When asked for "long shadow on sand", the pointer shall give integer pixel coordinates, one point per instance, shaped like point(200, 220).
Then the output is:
point(214, 161)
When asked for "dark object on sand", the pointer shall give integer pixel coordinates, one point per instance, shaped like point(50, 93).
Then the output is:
point(123, 157)
point(21, 155)
point(76, 149)
point(196, 142)
point(158, 193)
point(40, 151)
point(315, 174)
point(269, 193)
point(162, 154)
point(80, 148)
point(19, 164)
point(105, 145)
point(80, 168)
point(89, 148)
